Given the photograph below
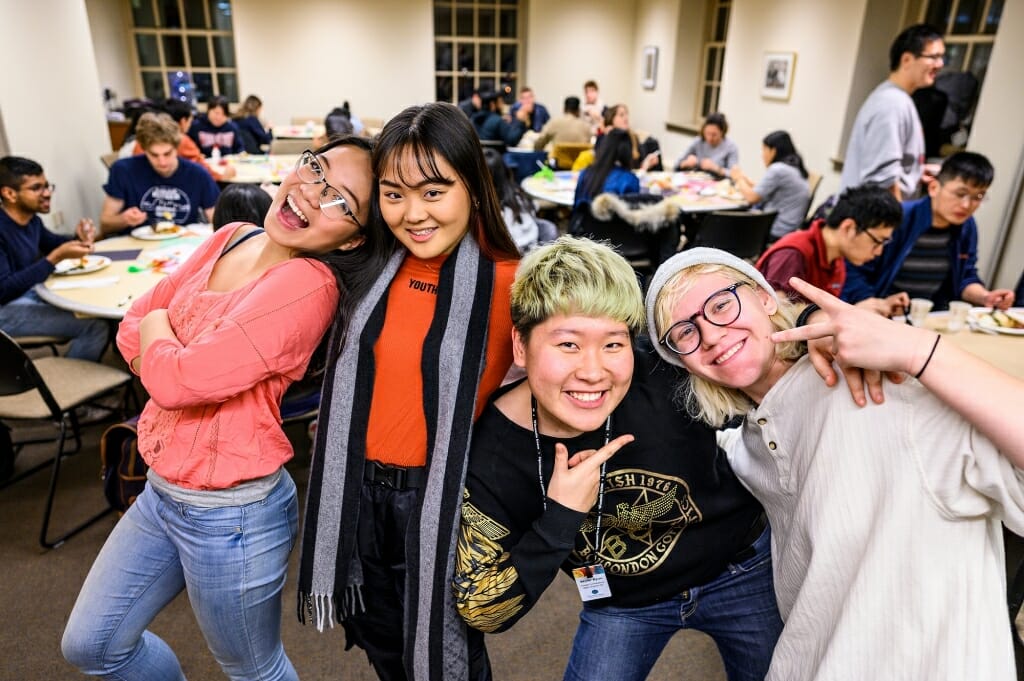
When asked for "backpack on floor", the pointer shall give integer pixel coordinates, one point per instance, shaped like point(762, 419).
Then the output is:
point(123, 470)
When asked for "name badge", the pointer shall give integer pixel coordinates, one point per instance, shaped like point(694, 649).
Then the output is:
point(591, 582)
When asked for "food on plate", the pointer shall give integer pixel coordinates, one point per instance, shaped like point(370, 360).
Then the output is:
point(164, 227)
point(1000, 319)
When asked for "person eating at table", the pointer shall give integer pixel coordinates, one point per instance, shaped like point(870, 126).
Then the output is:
point(855, 231)
point(783, 188)
point(886, 539)
point(181, 113)
point(28, 254)
point(712, 151)
point(610, 172)
point(934, 254)
point(156, 186)
point(216, 130)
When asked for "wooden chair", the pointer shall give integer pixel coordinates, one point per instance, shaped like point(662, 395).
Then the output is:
point(742, 233)
point(302, 120)
point(565, 153)
point(51, 388)
point(287, 146)
point(109, 159)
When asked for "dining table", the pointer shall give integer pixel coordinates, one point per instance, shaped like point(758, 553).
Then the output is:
point(119, 271)
point(1001, 347)
point(299, 132)
point(258, 168)
point(692, 191)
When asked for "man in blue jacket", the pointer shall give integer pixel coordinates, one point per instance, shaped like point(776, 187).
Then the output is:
point(536, 113)
point(28, 254)
point(934, 253)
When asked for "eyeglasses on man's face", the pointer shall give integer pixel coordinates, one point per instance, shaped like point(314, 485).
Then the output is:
point(878, 242)
point(934, 56)
point(966, 195)
point(40, 187)
point(721, 309)
point(309, 169)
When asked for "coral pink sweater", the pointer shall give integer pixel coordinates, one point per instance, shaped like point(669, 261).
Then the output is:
point(213, 418)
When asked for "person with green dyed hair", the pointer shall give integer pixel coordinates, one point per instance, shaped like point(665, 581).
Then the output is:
point(587, 466)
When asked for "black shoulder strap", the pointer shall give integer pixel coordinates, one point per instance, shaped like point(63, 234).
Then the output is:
point(236, 240)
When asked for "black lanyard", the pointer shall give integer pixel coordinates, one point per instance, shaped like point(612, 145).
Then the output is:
point(540, 472)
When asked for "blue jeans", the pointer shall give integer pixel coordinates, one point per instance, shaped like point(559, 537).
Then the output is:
point(30, 315)
point(233, 562)
point(737, 609)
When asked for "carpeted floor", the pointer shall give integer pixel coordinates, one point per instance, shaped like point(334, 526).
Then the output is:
point(38, 589)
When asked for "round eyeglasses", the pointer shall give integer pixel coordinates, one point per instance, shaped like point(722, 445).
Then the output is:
point(310, 170)
point(721, 309)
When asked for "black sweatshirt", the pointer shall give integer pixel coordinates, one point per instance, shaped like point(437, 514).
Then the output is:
point(674, 513)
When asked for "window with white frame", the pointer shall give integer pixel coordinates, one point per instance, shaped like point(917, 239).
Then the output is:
point(969, 32)
point(184, 49)
point(476, 47)
point(710, 84)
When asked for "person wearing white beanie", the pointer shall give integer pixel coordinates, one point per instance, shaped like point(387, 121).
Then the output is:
point(886, 539)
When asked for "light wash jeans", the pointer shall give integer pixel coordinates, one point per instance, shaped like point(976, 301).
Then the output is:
point(30, 315)
point(737, 609)
point(233, 562)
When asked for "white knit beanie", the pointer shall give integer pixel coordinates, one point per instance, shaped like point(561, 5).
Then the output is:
point(684, 260)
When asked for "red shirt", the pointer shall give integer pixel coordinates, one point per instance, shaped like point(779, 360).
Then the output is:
point(802, 254)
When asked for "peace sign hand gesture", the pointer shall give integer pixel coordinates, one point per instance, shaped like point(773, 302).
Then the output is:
point(575, 486)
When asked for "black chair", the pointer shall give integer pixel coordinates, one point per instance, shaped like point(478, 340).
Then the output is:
point(742, 233)
point(523, 164)
point(51, 388)
point(643, 228)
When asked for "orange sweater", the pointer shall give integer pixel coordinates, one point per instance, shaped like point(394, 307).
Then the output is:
point(397, 429)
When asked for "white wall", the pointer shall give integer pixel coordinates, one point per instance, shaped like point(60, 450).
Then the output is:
point(573, 41)
point(51, 102)
point(825, 38)
point(998, 133)
point(110, 36)
point(304, 58)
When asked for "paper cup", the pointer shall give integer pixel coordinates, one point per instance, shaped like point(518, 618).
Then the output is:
point(957, 315)
point(919, 309)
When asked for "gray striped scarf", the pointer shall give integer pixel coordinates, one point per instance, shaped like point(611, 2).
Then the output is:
point(330, 574)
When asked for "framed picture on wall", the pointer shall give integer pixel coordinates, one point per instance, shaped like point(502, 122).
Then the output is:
point(649, 77)
point(777, 76)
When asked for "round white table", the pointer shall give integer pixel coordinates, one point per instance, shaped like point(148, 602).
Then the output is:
point(694, 192)
point(258, 168)
point(109, 292)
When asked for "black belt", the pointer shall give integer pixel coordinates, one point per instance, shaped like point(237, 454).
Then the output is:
point(395, 477)
point(752, 535)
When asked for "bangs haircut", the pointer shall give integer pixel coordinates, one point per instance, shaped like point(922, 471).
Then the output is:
point(575, 276)
point(439, 130)
point(709, 402)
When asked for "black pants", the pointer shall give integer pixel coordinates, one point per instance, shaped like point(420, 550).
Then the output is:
point(379, 629)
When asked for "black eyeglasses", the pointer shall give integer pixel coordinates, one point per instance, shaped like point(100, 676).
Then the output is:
point(938, 56)
point(40, 188)
point(721, 309)
point(309, 170)
point(878, 242)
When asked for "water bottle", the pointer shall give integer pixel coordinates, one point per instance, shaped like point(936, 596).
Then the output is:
point(215, 154)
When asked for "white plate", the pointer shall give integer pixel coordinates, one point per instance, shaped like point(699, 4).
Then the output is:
point(976, 312)
point(90, 263)
point(146, 233)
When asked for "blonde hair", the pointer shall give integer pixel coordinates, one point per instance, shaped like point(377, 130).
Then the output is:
point(250, 107)
point(573, 275)
point(154, 128)
point(710, 402)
